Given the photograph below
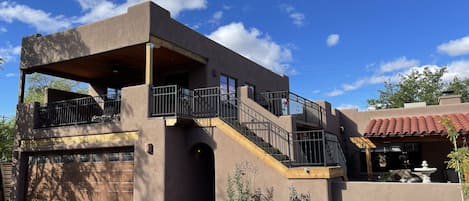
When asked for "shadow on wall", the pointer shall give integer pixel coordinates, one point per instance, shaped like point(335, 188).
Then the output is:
point(189, 164)
point(37, 49)
point(351, 151)
point(73, 174)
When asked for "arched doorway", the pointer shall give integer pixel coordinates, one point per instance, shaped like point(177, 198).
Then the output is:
point(203, 172)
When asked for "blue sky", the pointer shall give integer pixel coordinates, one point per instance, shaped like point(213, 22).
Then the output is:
point(339, 51)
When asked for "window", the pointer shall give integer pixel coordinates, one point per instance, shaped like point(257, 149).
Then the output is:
point(113, 156)
point(227, 87)
point(127, 156)
point(84, 158)
point(98, 157)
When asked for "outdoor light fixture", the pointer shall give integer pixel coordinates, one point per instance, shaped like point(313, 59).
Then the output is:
point(150, 149)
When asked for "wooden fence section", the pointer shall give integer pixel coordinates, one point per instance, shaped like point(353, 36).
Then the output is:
point(7, 170)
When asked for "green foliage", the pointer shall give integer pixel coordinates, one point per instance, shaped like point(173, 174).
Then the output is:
point(301, 197)
point(425, 86)
point(459, 157)
point(37, 84)
point(460, 87)
point(239, 189)
point(7, 128)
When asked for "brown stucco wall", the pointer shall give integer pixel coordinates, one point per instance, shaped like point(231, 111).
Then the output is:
point(228, 155)
point(117, 32)
point(383, 191)
point(221, 60)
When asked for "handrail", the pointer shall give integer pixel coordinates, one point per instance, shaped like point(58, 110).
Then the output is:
point(289, 103)
point(83, 110)
point(299, 148)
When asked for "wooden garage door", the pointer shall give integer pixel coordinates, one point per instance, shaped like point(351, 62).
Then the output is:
point(79, 176)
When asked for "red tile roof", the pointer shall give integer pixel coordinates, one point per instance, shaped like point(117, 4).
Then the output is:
point(415, 125)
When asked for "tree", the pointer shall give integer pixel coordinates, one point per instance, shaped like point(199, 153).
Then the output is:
point(37, 84)
point(418, 86)
point(461, 87)
point(6, 138)
point(459, 157)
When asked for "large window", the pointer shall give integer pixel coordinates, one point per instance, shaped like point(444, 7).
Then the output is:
point(227, 87)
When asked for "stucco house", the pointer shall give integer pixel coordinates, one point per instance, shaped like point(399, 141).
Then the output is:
point(402, 138)
point(170, 115)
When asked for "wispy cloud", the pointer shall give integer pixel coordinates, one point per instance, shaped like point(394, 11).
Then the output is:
point(216, 17)
point(254, 45)
point(398, 64)
point(101, 9)
point(347, 106)
point(10, 75)
point(3, 29)
point(335, 92)
point(40, 20)
point(297, 18)
point(10, 53)
point(93, 10)
point(455, 47)
point(332, 40)
point(389, 70)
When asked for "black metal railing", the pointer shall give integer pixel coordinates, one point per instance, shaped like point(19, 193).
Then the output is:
point(317, 147)
point(78, 111)
point(293, 149)
point(170, 101)
point(288, 103)
point(271, 137)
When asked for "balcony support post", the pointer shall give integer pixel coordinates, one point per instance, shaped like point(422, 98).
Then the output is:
point(149, 64)
point(21, 87)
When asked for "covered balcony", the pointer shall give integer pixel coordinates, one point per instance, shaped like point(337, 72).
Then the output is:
point(107, 73)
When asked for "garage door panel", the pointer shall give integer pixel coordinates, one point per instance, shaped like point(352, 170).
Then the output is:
point(98, 175)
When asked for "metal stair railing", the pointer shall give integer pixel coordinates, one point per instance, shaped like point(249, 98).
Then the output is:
point(288, 103)
point(312, 148)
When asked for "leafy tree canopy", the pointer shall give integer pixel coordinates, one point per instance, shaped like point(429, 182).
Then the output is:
point(37, 83)
point(419, 86)
point(7, 126)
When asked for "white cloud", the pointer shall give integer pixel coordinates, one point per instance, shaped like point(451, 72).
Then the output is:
point(354, 86)
point(216, 17)
point(40, 20)
point(3, 29)
point(10, 53)
point(316, 91)
point(398, 64)
point(101, 9)
point(458, 69)
point(332, 40)
point(297, 18)
point(455, 47)
point(254, 45)
point(10, 75)
point(347, 106)
point(335, 92)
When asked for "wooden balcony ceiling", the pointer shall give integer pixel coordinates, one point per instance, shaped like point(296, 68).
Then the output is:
point(118, 68)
